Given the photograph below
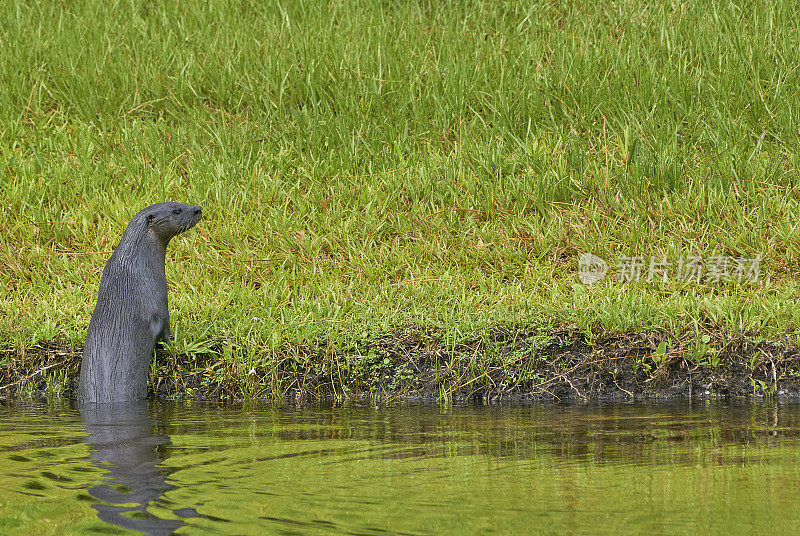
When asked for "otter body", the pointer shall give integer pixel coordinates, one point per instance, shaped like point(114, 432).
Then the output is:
point(131, 314)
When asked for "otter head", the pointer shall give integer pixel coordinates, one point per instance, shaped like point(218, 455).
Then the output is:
point(166, 220)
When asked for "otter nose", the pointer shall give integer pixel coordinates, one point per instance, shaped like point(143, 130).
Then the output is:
point(197, 211)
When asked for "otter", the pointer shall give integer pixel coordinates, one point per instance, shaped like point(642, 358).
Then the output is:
point(131, 315)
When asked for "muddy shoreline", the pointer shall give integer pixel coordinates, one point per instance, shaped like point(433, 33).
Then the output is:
point(517, 364)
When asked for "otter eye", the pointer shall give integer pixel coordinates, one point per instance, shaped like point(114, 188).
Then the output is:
point(176, 211)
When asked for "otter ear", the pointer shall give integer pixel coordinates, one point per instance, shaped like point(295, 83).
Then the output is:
point(150, 218)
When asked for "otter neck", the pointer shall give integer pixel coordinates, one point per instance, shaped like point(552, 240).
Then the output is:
point(139, 241)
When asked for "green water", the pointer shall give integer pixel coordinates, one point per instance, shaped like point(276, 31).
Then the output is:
point(209, 469)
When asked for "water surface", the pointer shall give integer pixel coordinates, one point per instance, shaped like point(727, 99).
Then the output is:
point(548, 469)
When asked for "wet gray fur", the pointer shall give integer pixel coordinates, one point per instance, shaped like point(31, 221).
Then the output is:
point(131, 314)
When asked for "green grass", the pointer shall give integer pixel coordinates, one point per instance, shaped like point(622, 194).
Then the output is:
point(370, 166)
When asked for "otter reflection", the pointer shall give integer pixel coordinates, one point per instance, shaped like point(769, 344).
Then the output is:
point(122, 444)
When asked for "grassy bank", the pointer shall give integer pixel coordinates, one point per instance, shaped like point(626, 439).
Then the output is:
point(374, 168)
